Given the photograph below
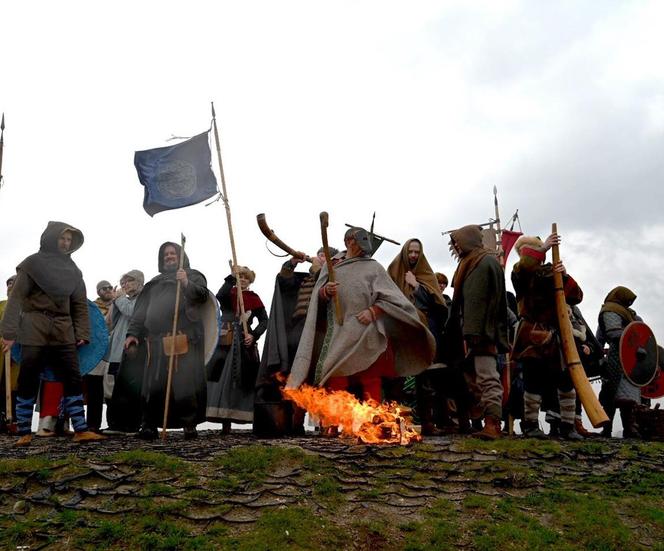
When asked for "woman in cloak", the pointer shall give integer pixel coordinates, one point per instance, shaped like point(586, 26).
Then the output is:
point(231, 389)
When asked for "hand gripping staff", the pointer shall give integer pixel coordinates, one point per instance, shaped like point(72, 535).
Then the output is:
point(583, 387)
point(324, 222)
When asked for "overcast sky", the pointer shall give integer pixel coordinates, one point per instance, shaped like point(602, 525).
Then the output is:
point(413, 110)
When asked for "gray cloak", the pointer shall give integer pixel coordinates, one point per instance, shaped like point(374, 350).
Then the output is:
point(353, 347)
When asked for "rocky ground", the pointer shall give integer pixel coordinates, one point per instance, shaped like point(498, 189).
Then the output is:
point(236, 492)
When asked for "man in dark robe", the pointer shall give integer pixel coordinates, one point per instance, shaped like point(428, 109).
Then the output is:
point(477, 329)
point(47, 314)
point(290, 302)
point(151, 321)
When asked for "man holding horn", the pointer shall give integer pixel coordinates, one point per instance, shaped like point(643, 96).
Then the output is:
point(153, 321)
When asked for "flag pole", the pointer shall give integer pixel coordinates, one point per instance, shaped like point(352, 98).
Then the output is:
point(2, 144)
point(224, 198)
point(501, 255)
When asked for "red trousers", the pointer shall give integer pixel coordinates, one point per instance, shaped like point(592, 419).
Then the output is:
point(370, 379)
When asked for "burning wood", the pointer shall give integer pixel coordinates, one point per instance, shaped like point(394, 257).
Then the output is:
point(370, 422)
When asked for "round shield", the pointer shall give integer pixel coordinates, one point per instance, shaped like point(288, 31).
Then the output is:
point(638, 353)
point(655, 388)
point(90, 354)
point(211, 318)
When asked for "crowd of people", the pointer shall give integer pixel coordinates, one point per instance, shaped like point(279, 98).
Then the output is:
point(479, 360)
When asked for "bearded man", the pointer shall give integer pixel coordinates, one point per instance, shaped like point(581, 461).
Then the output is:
point(381, 335)
point(151, 321)
point(477, 328)
point(47, 314)
point(412, 273)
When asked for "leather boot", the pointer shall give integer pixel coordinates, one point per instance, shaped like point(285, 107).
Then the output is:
point(491, 430)
point(568, 432)
point(630, 428)
point(578, 426)
point(87, 436)
point(530, 429)
point(429, 429)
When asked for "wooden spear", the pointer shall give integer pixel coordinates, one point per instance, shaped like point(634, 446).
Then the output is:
point(583, 387)
point(171, 357)
point(324, 222)
point(224, 198)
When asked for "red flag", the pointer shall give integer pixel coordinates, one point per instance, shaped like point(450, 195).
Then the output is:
point(507, 240)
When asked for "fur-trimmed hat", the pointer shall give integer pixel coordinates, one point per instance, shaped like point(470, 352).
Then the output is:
point(527, 241)
point(247, 272)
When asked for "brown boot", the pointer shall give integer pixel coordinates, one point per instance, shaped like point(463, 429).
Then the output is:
point(491, 430)
point(87, 436)
point(429, 429)
point(24, 440)
point(578, 425)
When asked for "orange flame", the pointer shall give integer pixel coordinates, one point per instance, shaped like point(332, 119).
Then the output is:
point(371, 422)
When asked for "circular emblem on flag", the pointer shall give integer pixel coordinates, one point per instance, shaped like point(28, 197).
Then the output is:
point(176, 179)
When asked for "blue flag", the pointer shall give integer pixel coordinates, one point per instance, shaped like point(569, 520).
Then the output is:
point(176, 176)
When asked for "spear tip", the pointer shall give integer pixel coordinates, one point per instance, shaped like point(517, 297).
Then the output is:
point(495, 190)
point(2, 124)
point(214, 115)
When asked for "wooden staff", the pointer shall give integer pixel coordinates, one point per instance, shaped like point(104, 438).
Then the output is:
point(224, 198)
point(324, 222)
point(171, 358)
point(8, 388)
point(2, 144)
point(583, 387)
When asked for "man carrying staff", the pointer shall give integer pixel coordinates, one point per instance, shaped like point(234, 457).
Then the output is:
point(47, 313)
point(151, 321)
point(537, 341)
point(381, 334)
point(477, 328)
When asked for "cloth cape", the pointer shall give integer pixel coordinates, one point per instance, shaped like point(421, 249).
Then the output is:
point(354, 347)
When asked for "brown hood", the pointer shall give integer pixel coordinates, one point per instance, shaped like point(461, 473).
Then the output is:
point(422, 272)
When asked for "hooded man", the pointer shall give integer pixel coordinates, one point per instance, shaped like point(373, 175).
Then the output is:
point(47, 314)
point(412, 273)
point(477, 328)
point(381, 335)
point(617, 391)
point(151, 321)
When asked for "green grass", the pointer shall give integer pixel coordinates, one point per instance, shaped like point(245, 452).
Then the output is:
point(289, 529)
point(144, 458)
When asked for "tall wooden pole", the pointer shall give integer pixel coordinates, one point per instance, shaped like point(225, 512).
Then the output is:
point(583, 387)
point(499, 237)
point(171, 357)
point(224, 198)
point(2, 144)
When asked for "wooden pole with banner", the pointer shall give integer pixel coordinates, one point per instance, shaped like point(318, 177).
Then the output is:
point(224, 198)
point(583, 387)
point(171, 343)
point(2, 144)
